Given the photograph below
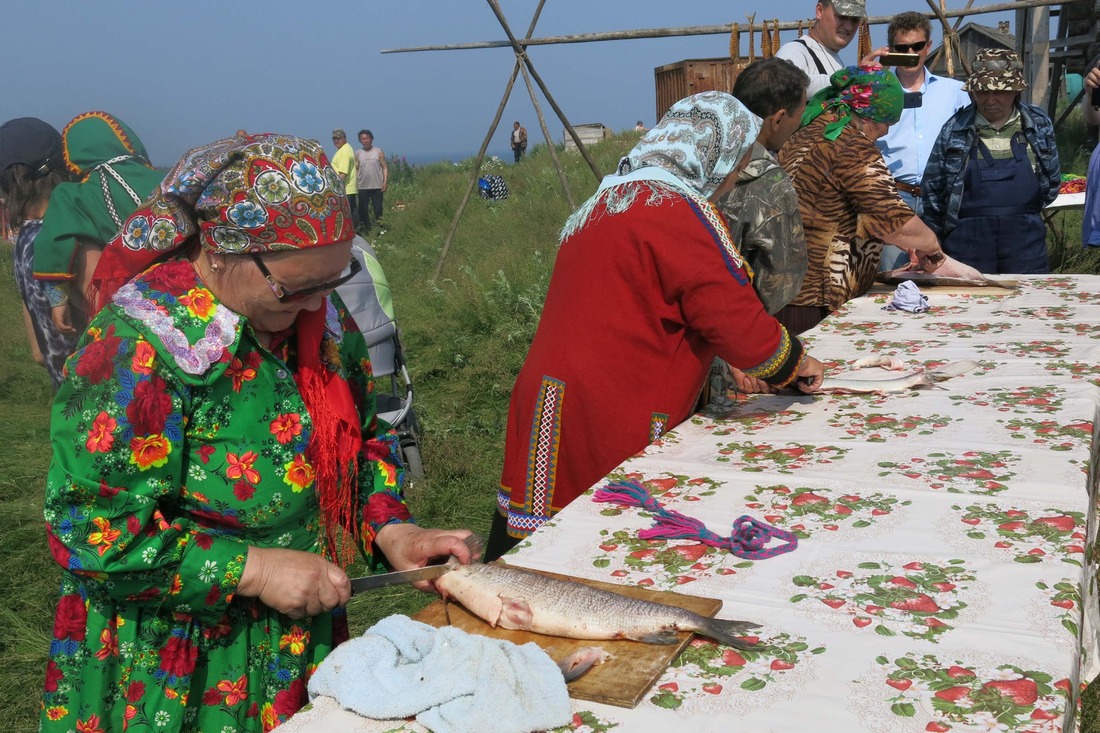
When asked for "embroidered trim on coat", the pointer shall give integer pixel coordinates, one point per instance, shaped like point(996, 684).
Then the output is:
point(716, 225)
point(658, 423)
point(542, 459)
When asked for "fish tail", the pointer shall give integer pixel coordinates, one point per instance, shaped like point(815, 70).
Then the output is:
point(728, 632)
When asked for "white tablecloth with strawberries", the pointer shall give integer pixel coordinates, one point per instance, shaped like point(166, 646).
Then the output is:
point(945, 573)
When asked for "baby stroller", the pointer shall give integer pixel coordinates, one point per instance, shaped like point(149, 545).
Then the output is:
point(370, 302)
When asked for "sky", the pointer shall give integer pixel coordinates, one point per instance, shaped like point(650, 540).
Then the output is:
point(183, 74)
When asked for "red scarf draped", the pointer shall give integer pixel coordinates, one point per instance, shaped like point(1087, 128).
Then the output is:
point(335, 442)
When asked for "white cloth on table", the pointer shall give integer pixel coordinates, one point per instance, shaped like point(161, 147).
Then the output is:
point(452, 681)
point(908, 298)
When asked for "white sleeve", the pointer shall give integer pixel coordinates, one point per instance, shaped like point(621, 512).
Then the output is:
point(800, 56)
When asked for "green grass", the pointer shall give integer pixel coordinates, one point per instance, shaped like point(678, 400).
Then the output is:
point(28, 583)
point(465, 334)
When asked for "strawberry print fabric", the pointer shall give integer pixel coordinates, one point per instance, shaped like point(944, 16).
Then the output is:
point(943, 579)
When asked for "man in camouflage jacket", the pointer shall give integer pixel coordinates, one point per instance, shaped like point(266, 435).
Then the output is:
point(762, 210)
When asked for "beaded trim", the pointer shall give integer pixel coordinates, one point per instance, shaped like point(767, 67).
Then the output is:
point(778, 358)
point(192, 359)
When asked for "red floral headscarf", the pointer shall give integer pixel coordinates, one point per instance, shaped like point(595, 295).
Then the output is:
point(260, 193)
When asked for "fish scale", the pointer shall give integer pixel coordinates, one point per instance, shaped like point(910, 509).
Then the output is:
point(514, 598)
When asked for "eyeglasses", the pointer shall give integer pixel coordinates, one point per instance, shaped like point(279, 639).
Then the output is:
point(996, 65)
point(909, 47)
point(286, 295)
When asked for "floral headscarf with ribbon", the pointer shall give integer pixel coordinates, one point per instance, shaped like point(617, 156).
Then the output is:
point(255, 194)
point(694, 148)
point(113, 176)
point(871, 92)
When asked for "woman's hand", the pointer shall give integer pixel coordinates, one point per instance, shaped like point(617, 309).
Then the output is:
point(749, 385)
point(811, 373)
point(931, 261)
point(62, 319)
point(293, 582)
point(408, 546)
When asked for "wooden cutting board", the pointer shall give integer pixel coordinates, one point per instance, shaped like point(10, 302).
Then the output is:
point(623, 680)
point(1009, 289)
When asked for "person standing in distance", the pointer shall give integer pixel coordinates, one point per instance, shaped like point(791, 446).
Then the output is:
point(1090, 223)
point(373, 177)
point(991, 171)
point(519, 140)
point(343, 162)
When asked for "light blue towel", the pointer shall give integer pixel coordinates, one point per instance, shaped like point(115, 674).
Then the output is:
point(452, 681)
point(908, 297)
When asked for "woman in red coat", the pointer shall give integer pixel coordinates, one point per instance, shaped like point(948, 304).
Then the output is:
point(647, 289)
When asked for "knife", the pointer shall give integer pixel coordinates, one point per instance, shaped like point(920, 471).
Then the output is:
point(430, 572)
point(382, 580)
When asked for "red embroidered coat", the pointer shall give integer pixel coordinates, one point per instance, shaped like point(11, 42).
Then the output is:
point(639, 304)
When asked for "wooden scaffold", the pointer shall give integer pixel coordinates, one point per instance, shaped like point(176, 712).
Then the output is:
point(1033, 52)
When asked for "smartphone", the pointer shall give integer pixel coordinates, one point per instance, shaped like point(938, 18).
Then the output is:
point(908, 60)
point(912, 100)
point(1096, 98)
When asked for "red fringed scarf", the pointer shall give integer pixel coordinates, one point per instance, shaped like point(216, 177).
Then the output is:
point(335, 443)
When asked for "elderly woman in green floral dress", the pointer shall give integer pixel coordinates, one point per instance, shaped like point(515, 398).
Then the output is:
point(217, 461)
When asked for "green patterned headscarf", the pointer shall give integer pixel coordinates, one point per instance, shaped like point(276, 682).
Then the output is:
point(868, 91)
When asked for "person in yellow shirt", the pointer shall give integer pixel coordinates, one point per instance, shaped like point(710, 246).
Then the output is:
point(345, 165)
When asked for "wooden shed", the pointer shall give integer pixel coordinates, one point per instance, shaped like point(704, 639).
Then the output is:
point(684, 78)
point(972, 38)
point(589, 134)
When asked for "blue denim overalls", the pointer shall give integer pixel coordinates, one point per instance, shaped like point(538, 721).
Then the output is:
point(1000, 229)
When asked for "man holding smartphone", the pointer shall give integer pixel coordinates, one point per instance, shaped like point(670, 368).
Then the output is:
point(930, 101)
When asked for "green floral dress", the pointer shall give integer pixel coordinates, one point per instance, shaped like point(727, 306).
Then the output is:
point(178, 442)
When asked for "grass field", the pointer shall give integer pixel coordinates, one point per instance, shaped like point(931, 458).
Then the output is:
point(465, 334)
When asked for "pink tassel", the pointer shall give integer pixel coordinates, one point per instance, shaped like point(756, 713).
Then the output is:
point(627, 493)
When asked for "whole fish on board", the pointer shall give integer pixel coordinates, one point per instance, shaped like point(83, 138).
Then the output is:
point(514, 598)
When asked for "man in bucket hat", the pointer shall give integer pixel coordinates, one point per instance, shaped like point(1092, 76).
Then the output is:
point(992, 170)
point(836, 23)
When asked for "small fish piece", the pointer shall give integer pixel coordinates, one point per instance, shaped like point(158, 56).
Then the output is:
point(577, 664)
point(890, 363)
point(952, 369)
point(514, 598)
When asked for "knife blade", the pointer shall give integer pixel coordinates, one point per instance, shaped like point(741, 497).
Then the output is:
point(381, 580)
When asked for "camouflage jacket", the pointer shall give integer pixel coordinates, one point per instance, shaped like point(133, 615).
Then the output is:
point(762, 214)
point(942, 185)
